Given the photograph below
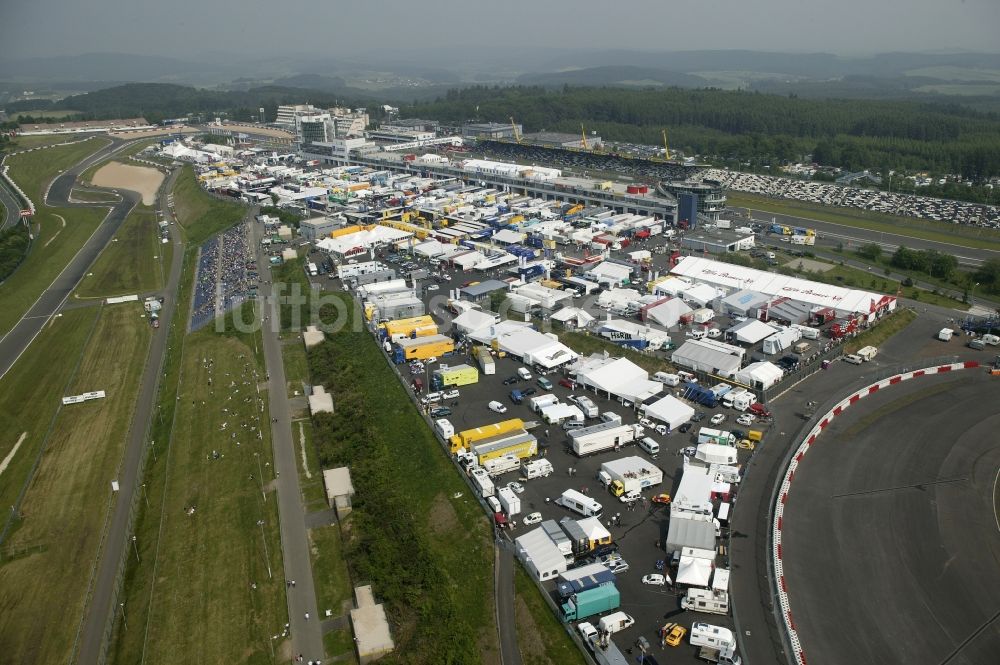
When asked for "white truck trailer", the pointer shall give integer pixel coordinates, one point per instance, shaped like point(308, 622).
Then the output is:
point(509, 501)
point(540, 402)
point(631, 473)
point(605, 436)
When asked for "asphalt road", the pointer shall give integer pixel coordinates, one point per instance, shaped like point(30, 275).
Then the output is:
point(14, 343)
point(890, 535)
point(307, 635)
point(752, 593)
point(888, 241)
point(100, 607)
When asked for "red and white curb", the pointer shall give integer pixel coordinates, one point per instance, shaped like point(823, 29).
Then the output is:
point(786, 484)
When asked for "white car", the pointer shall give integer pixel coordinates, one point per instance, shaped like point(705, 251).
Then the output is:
point(515, 487)
point(450, 394)
point(646, 422)
point(630, 497)
point(617, 567)
point(718, 419)
point(746, 420)
point(432, 359)
point(497, 407)
point(661, 430)
point(654, 579)
point(533, 518)
point(431, 398)
point(433, 287)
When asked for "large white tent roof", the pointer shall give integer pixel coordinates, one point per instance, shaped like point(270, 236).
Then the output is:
point(617, 376)
point(472, 320)
point(694, 572)
point(670, 410)
point(735, 277)
point(668, 312)
point(751, 331)
point(508, 236)
point(764, 374)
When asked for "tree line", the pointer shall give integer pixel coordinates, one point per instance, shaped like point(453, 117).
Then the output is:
point(748, 127)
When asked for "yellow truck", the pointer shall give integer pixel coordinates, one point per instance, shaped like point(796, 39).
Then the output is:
point(466, 438)
point(421, 348)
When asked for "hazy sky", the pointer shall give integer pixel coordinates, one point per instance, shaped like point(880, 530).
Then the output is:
point(329, 27)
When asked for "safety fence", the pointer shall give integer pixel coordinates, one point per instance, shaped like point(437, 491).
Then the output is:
point(792, 463)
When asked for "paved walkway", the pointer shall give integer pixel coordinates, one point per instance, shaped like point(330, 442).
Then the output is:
point(307, 635)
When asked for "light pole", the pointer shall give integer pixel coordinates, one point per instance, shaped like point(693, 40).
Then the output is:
point(122, 605)
point(135, 548)
point(267, 558)
point(260, 478)
point(972, 296)
point(144, 495)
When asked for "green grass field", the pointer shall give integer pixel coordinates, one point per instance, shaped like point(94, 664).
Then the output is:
point(311, 484)
point(540, 635)
point(888, 327)
point(293, 355)
point(405, 491)
point(94, 197)
point(65, 508)
point(955, 234)
point(56, 242)
point(212, 594)
point(202, 215)
point(27, 142)
point(126, 645)
point(333, 584)
point(127, 264)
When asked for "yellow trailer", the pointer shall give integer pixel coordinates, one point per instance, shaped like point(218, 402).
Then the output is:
point(421, 326)
point(518, 443)
point(433, 346)
point(466, 438)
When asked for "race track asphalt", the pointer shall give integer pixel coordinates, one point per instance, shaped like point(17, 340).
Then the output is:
point(14, 343)
point(891, 540)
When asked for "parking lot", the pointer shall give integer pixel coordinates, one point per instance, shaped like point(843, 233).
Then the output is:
point(639, 530)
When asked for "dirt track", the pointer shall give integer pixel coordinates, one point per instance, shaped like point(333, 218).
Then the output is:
point(141, 179)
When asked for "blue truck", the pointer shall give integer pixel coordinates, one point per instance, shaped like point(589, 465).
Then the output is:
point(701, 395)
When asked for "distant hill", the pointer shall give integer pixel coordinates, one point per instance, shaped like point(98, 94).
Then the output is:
point(614, 75)
point(96, 67)
point(312, 82)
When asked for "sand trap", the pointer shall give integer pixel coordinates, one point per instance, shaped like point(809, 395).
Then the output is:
point(141, 179)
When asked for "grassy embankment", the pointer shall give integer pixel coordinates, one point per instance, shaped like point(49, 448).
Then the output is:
point(541, 637)
point(954, 234)
point(59, 232)
point(886, 328)
point(415, 534)
point(58, 537)
point(131, 261)
point(201, 214)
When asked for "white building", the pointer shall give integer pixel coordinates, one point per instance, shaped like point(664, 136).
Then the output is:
point(708, 355)
point(668, 410)
point(616, 377)
point(540, 555)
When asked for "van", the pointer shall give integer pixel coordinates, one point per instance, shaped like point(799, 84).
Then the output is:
point(544, 383)
point(573, 424)
point(853, 358)
point(580, 503)
point(587, 406)
point(650, 446)
point(444, 428)
point(524, 373)
point(706, 600)
point(667, 379)
point(494, 504)
point(697, 333)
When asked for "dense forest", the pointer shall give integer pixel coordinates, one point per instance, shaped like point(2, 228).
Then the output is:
point(157, 101)
point(752, 128)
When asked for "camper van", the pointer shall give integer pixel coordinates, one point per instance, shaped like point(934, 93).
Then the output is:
point(667, 379)
point(716, 637)
point(706, 600)
point(580, 503)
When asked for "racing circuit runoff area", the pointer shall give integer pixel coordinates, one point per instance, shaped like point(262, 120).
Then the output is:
point(891, 529)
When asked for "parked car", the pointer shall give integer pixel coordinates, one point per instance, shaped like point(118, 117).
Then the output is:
point(698, 417)
point(432, 359)
point(528, 392)
point(510, 379)
point(440, 412)
point(654, 579)
point(450, 394)
point(544, 383)
point(515, 487)
point(433, 287)
point(568, 383)
point(661, 430)
point(431, 398)
point(718, 419)
point(746, 420)
point(661, 498)
point(683, 429)
point(533, 518)
point(497, 407)
point(646, 422)
point(617, 566)
point(673, 634)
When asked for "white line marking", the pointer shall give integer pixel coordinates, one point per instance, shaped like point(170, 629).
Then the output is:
point(302, 448)
point(13, 451)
